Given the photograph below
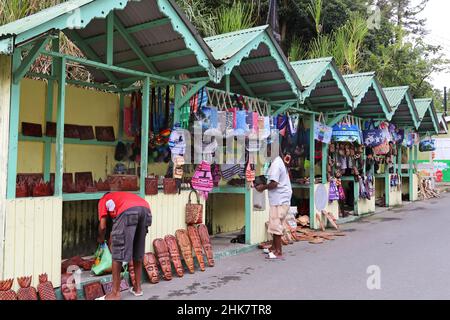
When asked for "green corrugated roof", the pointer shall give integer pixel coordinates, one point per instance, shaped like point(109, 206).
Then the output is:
point(311, 73)
point(73, 14)
point(422, 106)
point(225, 46)
point(309, 70)
point(427, 114)
point(395, 95)
point(359, 83)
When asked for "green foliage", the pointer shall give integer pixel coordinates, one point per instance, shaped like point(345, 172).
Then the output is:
point(11, 10)
point(200, 15)
point(296, 52)
point(315, 10)
point(236, 17)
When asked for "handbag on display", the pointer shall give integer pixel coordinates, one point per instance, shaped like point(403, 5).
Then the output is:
point(322, 132)
point(346, 132)
point(194, 211)
point(333, 193)
point(151, 186)
point(427, 144)
point(202, 180)
point(170, 186)
point(372, 136)
point(382, 149)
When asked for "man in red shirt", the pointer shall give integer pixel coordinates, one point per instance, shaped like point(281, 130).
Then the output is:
point(131, 217)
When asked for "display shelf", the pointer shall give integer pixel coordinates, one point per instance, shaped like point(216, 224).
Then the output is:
point(348, 178)
point(71, 141)
point(300, 186)
point(230, 190)
point(87, 196)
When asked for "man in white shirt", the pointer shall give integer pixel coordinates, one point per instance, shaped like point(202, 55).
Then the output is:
point(280, 193)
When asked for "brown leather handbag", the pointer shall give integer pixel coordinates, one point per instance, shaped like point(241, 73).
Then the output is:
point(151, 267)
point(196, 243)
point(194, 211)
point(206, 243)
point(162, 252)
point(170, 186)
point(185, 247)
point(171, 242)
point(151, 186)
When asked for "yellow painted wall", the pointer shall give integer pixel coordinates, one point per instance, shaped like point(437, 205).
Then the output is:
point(5, 90)
point(258, 221)
point(168, 215)
point(228, 212)
point(33, 239)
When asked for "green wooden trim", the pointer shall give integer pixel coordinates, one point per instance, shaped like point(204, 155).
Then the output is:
point(229, 190)
point(85, 196)
point(49, 109)
point(312, 99)
point(134, 45)
point(108, 68)
point(132, 29)
point(336, 120)
point(110, 38)
point(384, 106)
point(59, 168)
point(227, 83)
point(188, 70)
point(190, 40)
point(121, 110)
point(189, 94)
point(30, 59)
point(14, 112)
point(145, 134)
point(90, 54)
point(242, 82)
point(245, 52)
point(161, 57)
point(263, 83)
point(312, 151)
point(412, 110)
point(248, 216)
point(285, 107)
point(325, 148)
point(52, 140)
point(84, 14)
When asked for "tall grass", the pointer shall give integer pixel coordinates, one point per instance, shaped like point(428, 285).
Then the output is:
point(236, 17)
point(200, 16)
point(315, 10)
point(296, 51)
point(11, 10)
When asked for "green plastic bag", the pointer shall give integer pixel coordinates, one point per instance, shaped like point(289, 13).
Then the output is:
point(103, 255)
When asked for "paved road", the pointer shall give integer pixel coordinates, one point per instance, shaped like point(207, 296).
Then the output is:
point(410, 245)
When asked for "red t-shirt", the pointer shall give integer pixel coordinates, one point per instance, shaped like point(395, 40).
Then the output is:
point(118, 202)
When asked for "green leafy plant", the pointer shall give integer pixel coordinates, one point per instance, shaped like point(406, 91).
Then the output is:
point(315, 10)
point(236, 17)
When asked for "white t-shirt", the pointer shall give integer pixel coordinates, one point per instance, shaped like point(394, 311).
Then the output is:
point(283, 193)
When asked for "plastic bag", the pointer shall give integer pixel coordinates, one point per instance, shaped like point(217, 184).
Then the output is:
point(103, 260)
point(259, 200)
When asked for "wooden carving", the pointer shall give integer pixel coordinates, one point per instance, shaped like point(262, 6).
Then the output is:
point(105, 134)
point(171, 242)
point(21, 189)
point(151, 267)
point(86, 132)
point(102, 186)
point(119, 182)
point(132, 274)
point(185, 247)
point(108, 286)
point(5, 290)
point(71, 131)
point(31, 129)
point(83, 180)
point(45, 288)
point(42, 189)
point(197, 245)
point(69, 292)
point(26, 291)
point(206, 243)
point(93, 290)
point(162, 252)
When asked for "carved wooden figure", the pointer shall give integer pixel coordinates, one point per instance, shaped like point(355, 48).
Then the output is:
point(197, 245)
point(185, 247)
point(162, 252)
point(151, 267)
point(45, 288)
point(5, 290)
point(206, 243)
point(171, 242)
point(26, 291)
point(93, 290)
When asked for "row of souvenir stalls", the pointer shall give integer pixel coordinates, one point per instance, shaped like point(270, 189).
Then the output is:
point(167, 112)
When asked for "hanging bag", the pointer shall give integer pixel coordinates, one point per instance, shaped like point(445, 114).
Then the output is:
point(372, 136)
point(202, 180)
point(194, 211)
point(346, 132)
point(322, 132)
point(427, 144)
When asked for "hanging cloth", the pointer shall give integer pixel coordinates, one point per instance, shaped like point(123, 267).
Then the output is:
point(167, 109)
point(153, 111)
point(160, 110)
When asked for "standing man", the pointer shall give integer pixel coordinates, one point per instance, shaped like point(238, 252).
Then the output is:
point(280, 193)
point(131, 217)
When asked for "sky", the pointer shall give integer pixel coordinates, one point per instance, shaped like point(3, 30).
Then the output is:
point(437, 14)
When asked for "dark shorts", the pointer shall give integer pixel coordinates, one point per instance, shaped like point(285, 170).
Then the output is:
point(128, 234)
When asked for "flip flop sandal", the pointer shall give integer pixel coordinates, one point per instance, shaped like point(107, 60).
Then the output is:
point(272, 256)
point(339, 234)
point(136, 294)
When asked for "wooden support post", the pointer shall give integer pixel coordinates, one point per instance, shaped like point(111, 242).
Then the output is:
point(312, 150)
point(248, 212)
point(227, 83)
point(60, 114)
point(110, 38)
point(410, 174)
point(49, 109)
point(387, 185)
point(121, 110)
point(14, 112)
point(145, 133)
